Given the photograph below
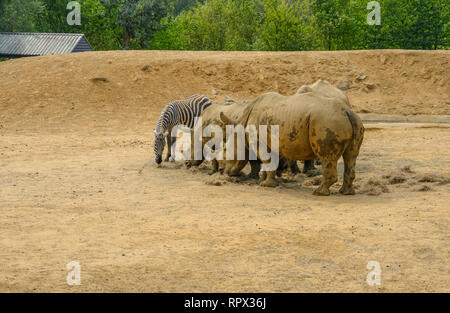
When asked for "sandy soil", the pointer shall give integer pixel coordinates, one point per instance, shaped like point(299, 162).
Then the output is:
point(78, 181)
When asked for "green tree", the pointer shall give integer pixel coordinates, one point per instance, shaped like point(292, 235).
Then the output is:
point(333, 23)
point(139, 19)
point(183, 5)
point(417, 24)
point(20, 15)
point(98, 22)
point(408, 24)
point(205, 27)
point(238, 24)
point(285, 26)
point(100, 25)
point(169, 37)
point(243, 25)
point(213, 25)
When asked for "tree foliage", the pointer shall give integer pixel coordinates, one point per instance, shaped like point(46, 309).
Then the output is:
point(218, 25)
point(284, 26)
point(138, 20)
point(238, 24)
point(20, 15)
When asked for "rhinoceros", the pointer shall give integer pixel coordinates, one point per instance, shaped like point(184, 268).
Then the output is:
point(321, 87)
point(325, 89)
point(311, 126)
point(211, 116)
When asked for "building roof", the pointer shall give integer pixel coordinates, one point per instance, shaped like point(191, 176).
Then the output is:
point(31, 44)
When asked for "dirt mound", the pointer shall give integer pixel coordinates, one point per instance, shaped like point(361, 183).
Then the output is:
point(404, 178)
point(374, 187)
point(125, 90)
point(425, 188)
point(433, 178)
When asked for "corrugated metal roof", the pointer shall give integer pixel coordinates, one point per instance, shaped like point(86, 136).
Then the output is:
point(29, 44)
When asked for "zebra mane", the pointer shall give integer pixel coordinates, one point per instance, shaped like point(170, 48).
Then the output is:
point(161, 125)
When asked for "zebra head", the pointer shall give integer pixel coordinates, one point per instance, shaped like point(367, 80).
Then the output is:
point(160, 140)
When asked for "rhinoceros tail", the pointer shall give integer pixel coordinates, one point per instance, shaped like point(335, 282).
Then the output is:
point(358, 130)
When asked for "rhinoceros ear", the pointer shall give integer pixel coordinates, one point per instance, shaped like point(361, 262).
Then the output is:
point(225, 120)
point(304, 89)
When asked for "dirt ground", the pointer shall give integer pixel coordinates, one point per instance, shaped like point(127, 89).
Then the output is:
point(78, 181)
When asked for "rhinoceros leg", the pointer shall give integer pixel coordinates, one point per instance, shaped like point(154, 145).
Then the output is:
point(285, 164)
point(236, 168)
point(262, 177)
point(195, 163)
point(329, 177)
point(214, 167)
point(294, 167)
point(308, 165)
point(222, 166)
point(255, 168)
point(349, 176)
point(270, 180)
point(282, 165)
point(349, 157)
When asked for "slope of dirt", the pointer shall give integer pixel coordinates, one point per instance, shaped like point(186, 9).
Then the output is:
point(124, 89)
point(78, 181)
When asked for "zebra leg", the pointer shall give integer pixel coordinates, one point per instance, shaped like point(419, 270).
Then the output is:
point(169, 148)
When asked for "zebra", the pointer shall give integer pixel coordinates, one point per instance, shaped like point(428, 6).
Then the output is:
point(179, 112)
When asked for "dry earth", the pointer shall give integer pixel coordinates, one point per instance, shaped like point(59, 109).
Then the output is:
point(78, 181)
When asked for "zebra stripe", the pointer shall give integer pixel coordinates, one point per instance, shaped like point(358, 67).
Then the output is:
point(180, 112)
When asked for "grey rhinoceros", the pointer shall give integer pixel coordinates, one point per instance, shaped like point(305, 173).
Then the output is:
point(325, 89)
point(311, 125)
point(211, 117)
